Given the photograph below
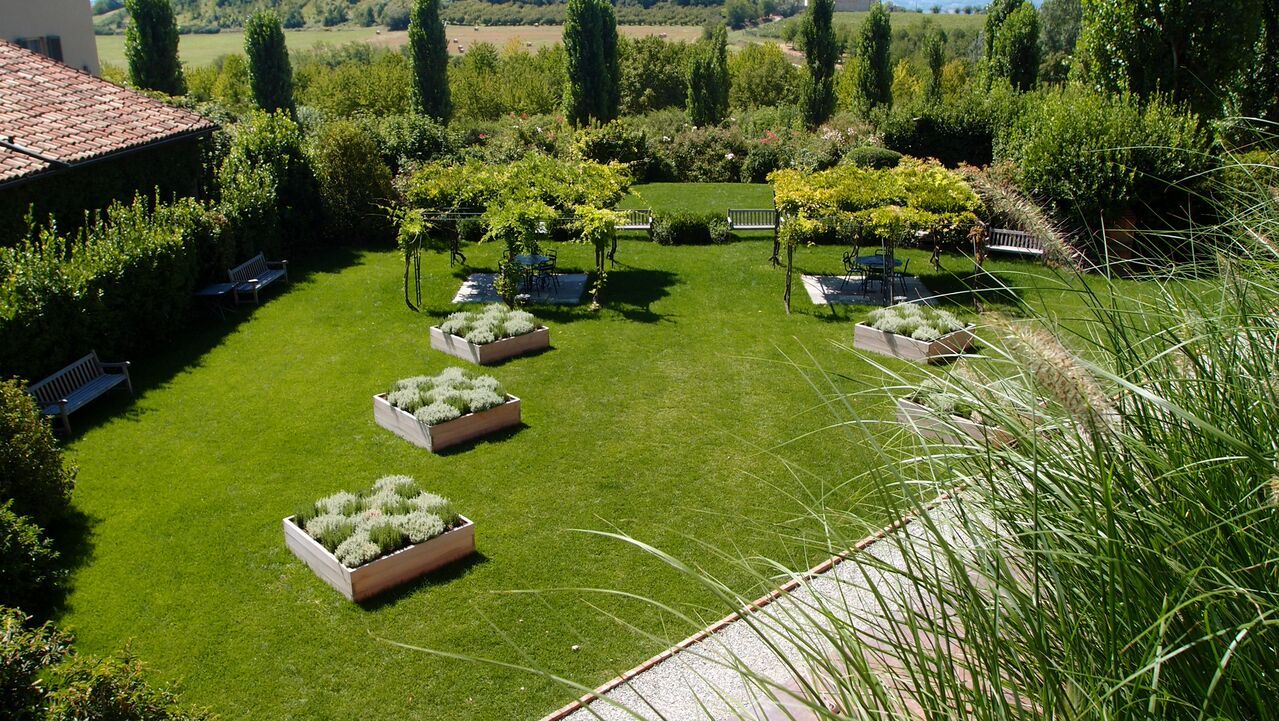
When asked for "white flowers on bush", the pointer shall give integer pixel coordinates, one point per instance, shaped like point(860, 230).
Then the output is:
point(493, 323)
point(395, 512)
point(436, 413)
point(441, 398)
point(920, 322)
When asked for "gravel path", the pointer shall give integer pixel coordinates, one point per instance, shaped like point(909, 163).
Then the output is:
point(703, 681)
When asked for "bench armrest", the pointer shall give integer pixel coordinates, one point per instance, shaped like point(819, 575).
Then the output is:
point(277, 264)
point(121, 364)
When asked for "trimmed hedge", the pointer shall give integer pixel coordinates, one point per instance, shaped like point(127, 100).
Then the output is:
point(119, 286)
point(689, 229)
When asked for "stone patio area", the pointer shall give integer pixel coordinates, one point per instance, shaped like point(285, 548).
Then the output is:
point(478, 288)
point(832, 290)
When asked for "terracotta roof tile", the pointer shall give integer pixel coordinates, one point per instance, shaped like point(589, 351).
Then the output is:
point(70, 116)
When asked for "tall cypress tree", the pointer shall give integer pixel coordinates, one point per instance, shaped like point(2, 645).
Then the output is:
point(151, 47)
point(874, 64)
point(270, 74)
point(935, 56)
point(593, 90)
point(821, 52)
point(429, 57)
point(708, 82)
point(1016, 53)
point(996, 14)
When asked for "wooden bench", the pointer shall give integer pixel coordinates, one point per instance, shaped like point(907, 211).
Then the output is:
point(256, 273)
point(636, 220)
point(1014, 241)
point(68, 390)
point(752, 219)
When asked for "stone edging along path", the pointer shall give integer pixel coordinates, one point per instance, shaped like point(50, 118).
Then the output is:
point(643, 702)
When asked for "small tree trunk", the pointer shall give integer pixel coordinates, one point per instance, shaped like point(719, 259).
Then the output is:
point(790, 264)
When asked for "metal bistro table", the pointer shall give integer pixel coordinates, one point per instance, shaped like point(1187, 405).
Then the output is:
point(529, 262)
point(883, 265)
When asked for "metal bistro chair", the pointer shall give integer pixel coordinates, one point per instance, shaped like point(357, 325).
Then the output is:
point(851, 267)
point(545, 271)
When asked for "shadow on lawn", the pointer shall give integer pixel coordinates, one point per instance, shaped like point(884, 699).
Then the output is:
point(449, 573)
point(152, 369)
point(72, 536)
point(494, 437)
point(633, 291)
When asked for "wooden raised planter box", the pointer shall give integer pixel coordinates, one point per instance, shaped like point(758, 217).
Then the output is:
point(907, 348)
point(384, 573)
point(926, 423)
point(498, 350)
point(450, 433)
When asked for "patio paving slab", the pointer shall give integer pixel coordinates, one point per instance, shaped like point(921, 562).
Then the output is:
point(478, 288)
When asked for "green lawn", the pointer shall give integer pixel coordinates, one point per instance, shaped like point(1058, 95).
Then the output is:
point(706, 198)
point(660, 416)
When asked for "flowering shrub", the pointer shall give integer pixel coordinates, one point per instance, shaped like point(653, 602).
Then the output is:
point(449, 395)
point(920, 322)
point(360, 527)
point(493, 323)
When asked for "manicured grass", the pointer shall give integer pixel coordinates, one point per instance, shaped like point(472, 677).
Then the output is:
point(663, 416)
point(699, 197)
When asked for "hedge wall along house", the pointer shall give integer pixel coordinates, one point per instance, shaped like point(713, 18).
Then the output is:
point(117, 286)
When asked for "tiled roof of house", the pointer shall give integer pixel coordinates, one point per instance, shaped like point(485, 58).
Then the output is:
point(61, 116)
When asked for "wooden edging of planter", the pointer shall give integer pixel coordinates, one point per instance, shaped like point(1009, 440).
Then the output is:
point(907, 348)
point(925, 422)
point(387, 572)
point(450, 433)
point(489, 353)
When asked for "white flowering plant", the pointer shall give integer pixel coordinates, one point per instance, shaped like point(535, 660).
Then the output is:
point(441, 398)
point(494, 322)
point(360, 527)
point(912, 320)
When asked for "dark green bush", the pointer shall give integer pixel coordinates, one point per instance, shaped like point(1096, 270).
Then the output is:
point(471, 230)
point(274, 143)
point(870, 156)
point(762, 159)
point(688, 228)
point(33, 472)
point(416, 138)
point(354, 184)
point(958, 130)
point(25, 654)
point(29, 571)
point(616, 142)
point(112, 689)
point(702, 155)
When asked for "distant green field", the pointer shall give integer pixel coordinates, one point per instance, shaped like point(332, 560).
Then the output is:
point(203, 49)
point(946, 21)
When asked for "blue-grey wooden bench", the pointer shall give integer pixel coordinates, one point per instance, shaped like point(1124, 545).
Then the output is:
point(636, 220)
point(1014, 241)
point(752, 219)
point(68, 390)
point(255, 274)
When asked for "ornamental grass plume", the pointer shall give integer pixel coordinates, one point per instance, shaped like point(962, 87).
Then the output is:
point(1062, 376)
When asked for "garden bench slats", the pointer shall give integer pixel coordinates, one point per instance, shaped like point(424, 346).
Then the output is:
point(71, 388)
point(256, 273)
point(637, 220)
point(1014, 241)
point(752, 219)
